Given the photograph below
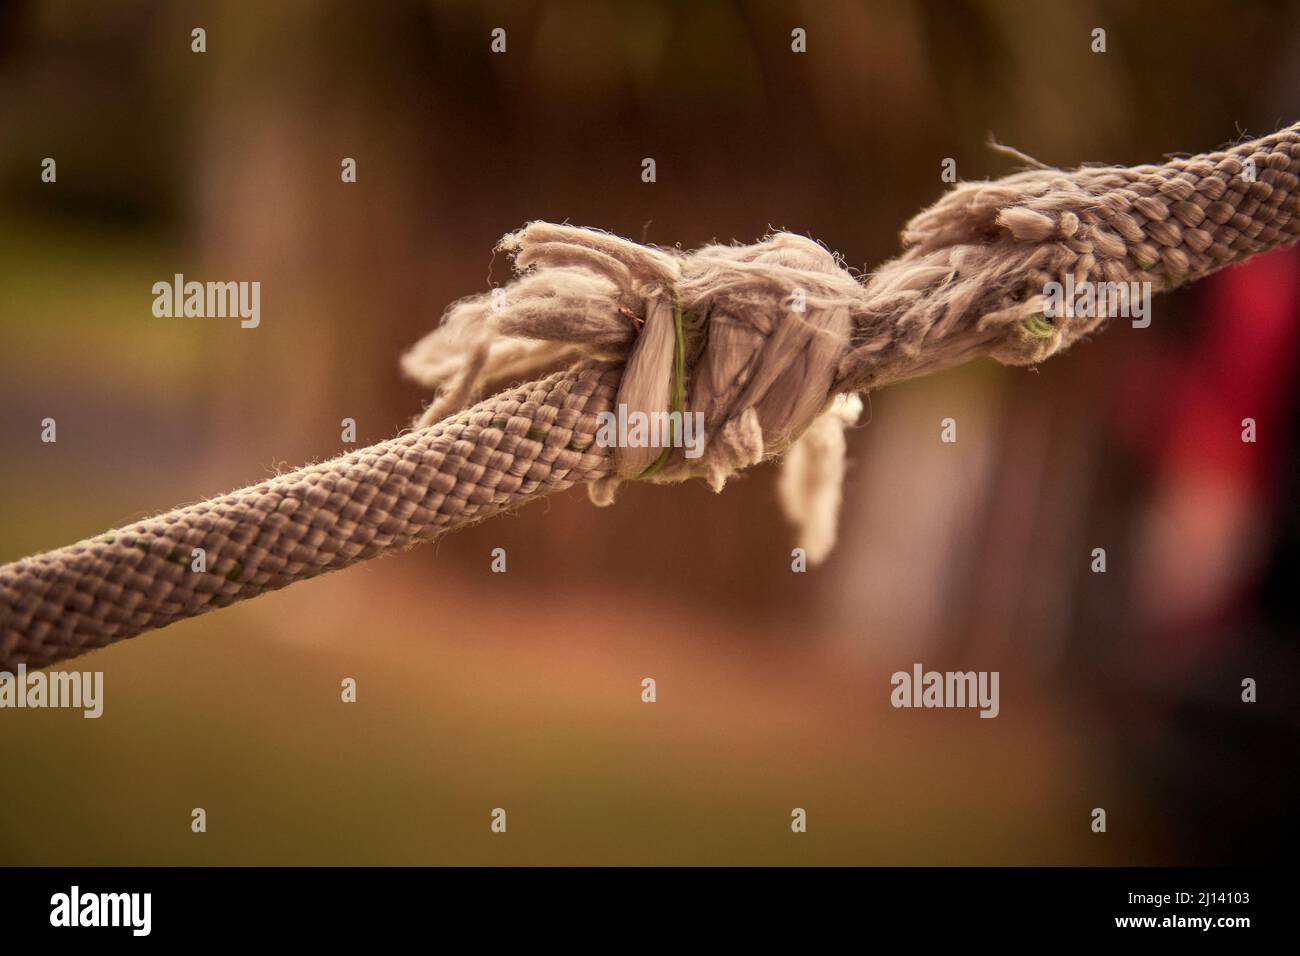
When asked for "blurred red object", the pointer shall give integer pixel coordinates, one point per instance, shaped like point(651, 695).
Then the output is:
point(1215, 428)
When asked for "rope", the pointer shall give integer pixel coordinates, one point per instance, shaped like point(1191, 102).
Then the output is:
point(526, 442)
point(773, 338)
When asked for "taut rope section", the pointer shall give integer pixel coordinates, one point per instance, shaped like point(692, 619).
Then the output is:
point(528, 441)
point(778, 335)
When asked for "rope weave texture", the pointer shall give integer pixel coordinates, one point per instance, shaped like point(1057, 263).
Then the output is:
point(528, 441)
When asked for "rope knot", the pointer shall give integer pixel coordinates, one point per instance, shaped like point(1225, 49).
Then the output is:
point(730, 352)
point(754, 342)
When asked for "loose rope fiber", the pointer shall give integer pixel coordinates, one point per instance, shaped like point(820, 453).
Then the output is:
point(774, 337)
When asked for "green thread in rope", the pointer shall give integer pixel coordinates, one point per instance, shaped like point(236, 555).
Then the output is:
point(1037, 327)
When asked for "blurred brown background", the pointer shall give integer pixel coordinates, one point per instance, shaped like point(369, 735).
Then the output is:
point(476, 690)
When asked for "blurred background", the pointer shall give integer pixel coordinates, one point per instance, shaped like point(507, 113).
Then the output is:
point(1119, 690)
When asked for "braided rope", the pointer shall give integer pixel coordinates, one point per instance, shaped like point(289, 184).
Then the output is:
point(972, 278)
point(970, 283)
point(528, 441)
